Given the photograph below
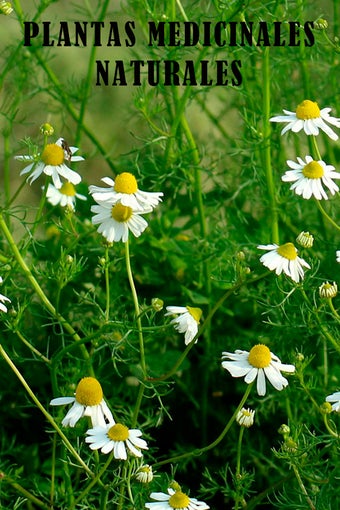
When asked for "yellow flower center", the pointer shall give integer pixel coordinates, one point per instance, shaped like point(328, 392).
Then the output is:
point(68, 189)
point(89, 392)
point(196, 313)
point(288, 251)
point(118, 432)
point(259, 356)
point(307, 110)
point(125, 183)
point(313, 170)
point(179, 500)
point(121, 212)
point(53, 155)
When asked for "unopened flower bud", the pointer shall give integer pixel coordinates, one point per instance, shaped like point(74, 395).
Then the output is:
point(46, 129)
point(305, 239)
point(328, 290)
point(284, 429)
point(157, 304)
point(245, 417)
point(320, 24)
point(144, 474)
point(325, 408)
point(6, 8)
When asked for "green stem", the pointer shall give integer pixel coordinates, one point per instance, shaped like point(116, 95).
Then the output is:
point(137, 309)
point(94, 481)
point(107, 284)
point(32, 348)
point(267, 148)
point(333, 310)
point(47, 415)
point(323, 329)
point(238, 466)
point(200, 451)
point(39, 290)
point(325, 215)
point(303, 488)
point(24, 492)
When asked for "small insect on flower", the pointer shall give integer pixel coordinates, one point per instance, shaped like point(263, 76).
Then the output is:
point(67, 149)
point(51, 162)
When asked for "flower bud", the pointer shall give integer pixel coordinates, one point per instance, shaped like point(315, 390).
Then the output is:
point(6, 8)
point(328, 290)
point(46, 129)
point(157, 304)
point(305, 239)
point(320, 24)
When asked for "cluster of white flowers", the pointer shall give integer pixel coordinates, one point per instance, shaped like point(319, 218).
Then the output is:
point(105, 434)
point(120, 207)
point(51, 162)
point(309, 176)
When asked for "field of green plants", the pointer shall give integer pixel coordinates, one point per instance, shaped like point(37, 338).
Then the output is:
point(169, 255)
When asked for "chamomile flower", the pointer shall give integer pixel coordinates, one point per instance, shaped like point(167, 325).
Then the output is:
point(52, 162)
point(245, 417)
point(337, 255)
point(124, 189)
point(187, 320)
point(258, 363)
point(88, 401)
point(328, 290)
point(284, 258)
point(305, 239)
point(310, 118)
point(335, 399)
point(175, 499)
point(3, 299)
point(310, 176)
point(118, 438)
point(115, 221)
point(144, 474)
point(64, 196)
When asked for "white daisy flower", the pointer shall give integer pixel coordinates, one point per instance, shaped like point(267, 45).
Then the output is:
point(335, 398)
point(328, 290)
point(337, 255)
point(187, 321)
point(118, 438)
point(88, 401)
point(64, 196)
point(115, 221)
point(258, 363)
point(310, 118)
point(309, 178)
point(284, 258)
point(3, 299)
point(175, 499)
point(245, 417)
point(52, 162)
point(125, 190)
point(144, 474)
